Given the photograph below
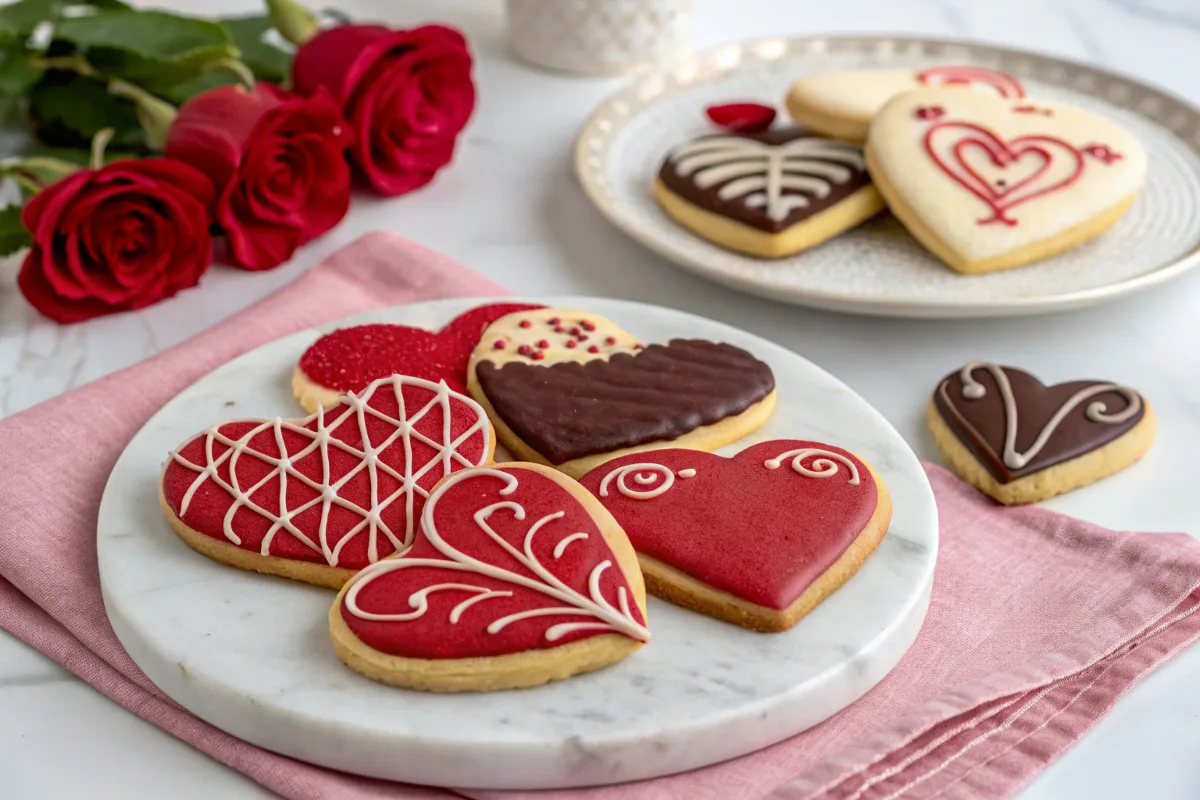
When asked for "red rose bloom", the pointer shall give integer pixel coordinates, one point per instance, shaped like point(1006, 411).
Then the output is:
point(277, 162)
point(405, 94)
point(118, 238)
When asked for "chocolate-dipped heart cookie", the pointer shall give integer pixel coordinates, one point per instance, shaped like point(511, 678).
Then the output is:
point(767, 194)
point(575, 400)
point(1020, 441)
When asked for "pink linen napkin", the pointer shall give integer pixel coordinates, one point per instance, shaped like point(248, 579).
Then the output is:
point(1037, 625)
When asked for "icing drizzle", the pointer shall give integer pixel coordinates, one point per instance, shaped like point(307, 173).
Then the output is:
point(643, 478)
point(603, 616)
point(354, 411)
point(823, 466)
point(758, 174)
point(1096, 411)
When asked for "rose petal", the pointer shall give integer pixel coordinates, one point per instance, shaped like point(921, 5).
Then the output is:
point(742, 117)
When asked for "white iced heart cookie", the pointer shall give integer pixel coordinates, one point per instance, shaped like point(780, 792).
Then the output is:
point(987, 183)
point(841, 104)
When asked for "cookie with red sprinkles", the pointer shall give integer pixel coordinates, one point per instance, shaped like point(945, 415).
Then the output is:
point(349, 359)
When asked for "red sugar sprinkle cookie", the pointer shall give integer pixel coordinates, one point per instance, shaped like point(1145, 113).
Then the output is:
point(348, 359)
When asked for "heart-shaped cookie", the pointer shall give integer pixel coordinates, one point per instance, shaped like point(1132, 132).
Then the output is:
point(576, 414)
point(518, 577)
point(318, 499)
point(350, 358)
point(758, 539)
point(987, 183)
point(1020, 441)
point(841, 104)
point(767, 194)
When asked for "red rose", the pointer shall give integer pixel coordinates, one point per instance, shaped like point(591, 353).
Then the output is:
point(406, 95)
point(277, 162)
point(117, 238)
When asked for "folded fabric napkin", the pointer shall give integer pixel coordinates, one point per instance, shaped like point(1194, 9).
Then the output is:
point(1038, 622)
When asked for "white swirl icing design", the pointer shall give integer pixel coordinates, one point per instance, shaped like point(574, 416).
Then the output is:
point(644, 474)
point(1096, 411)
point(824, 465)
point(758, 173)
point(603, 615)
point(353, 410)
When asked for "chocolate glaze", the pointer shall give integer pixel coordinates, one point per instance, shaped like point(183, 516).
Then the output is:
point(737, 209)
point(980, 424)
point(569, 410)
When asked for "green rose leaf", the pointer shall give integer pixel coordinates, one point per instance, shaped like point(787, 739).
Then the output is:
point(68, 110)
point(182, 92)
point(13, 235)
point(17, 76)
point(17, 73)
point(267, 61)
point(152, 49)
point(18, 20)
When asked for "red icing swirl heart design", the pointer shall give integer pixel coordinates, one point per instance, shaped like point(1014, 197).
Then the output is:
point(762, 525)
point(350, 358)
point(507, 560)
point(1018, 170)
point(343, 487)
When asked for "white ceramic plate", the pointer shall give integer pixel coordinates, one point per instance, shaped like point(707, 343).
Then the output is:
point(879, 268)
point(251, 653)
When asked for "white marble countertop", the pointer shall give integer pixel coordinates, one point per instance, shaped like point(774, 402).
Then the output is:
point(510, 209)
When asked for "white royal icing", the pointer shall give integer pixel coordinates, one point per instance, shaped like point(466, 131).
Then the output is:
point(824, 466)
point(1096, 411)
point(353, 410)
point(658, 473)
point(604, 616)
point(757, 172)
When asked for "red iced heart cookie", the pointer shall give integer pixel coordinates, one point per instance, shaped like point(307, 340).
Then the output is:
point(318, 499)
point(758, 539)
point(517, 577)
point(348, 359)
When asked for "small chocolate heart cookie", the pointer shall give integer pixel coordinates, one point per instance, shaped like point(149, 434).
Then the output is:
point(1020, 441)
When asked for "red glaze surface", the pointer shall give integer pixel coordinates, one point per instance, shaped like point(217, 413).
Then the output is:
point(761, 534)
point(389, 586)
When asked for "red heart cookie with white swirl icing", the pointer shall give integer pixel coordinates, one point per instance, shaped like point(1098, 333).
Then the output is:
point(758, 539)
point(988, 183)
point(517, 577)
point(348, 359)
point(318, 499)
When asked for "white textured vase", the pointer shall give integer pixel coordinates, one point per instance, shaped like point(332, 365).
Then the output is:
point(598, 37)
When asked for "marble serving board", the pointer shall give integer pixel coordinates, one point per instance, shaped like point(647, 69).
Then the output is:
point(251, 654)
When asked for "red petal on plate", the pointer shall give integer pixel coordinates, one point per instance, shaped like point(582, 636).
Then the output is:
point(742, 117)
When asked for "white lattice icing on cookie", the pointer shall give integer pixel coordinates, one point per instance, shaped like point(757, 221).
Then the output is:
point(552, 335)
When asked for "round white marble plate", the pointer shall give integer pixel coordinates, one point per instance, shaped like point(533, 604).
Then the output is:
point(251, 653)
point(878, 268)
